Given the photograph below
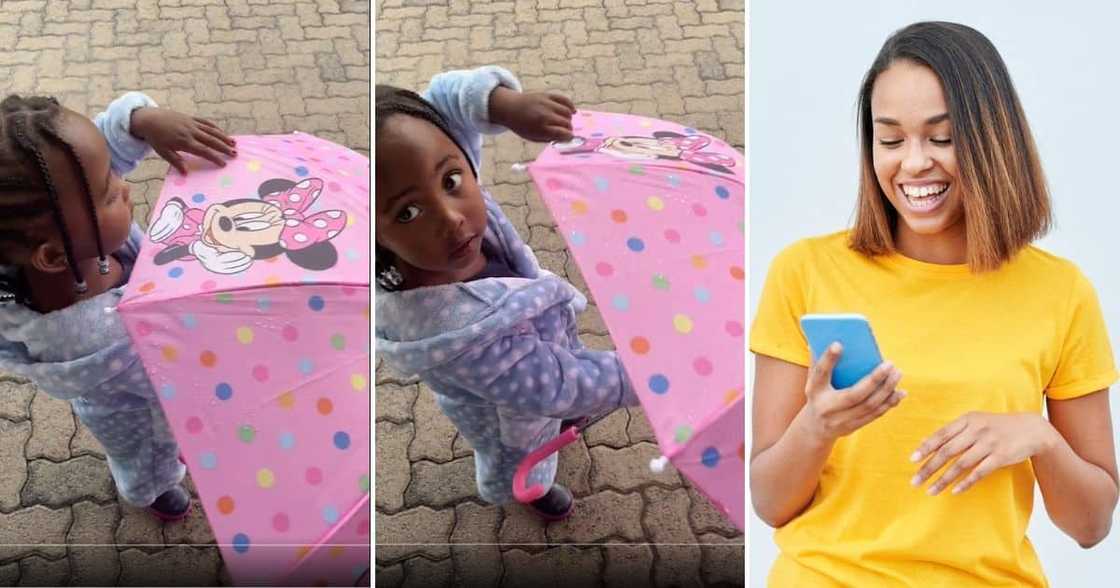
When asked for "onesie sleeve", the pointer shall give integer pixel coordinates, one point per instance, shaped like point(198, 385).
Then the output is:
point(533, 376)
point(1085, 364)
point(115, 124)
point(463, 98)
point(776, 330)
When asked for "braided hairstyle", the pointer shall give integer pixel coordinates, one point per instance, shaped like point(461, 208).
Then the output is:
point(29, 202)
point(391, 101)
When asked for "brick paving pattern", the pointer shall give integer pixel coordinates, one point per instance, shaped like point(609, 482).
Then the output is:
point(252, 66)
point(680, 61)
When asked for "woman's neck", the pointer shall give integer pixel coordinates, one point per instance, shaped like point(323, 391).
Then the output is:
point(55, 290)
point(947, 247)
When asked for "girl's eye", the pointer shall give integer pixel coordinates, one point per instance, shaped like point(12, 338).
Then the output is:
point(945, 141)
point(453, 181)
point(890, 143)
point(408, 214)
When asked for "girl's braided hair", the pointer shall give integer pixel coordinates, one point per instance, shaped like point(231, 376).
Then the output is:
point(391, 101)
point(28, 197)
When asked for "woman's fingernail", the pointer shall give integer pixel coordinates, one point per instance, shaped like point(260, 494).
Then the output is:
point(956, 490)
point(915, 456)
point(932, 490)
point(915, 480)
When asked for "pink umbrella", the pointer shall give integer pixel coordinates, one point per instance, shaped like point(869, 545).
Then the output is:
point(654, 214)
point(249, 307)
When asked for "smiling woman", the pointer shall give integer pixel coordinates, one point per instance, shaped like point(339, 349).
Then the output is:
point(916, 98)
point(951, 197)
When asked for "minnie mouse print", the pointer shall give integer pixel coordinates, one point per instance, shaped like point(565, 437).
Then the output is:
point(663, 145)
point(227, 237)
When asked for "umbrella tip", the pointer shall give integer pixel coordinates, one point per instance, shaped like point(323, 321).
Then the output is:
point(658, 465)
point(519, 167)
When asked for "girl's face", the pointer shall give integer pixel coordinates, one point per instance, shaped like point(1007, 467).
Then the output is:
point(109, 192)
point(430, 210)
point(912, 149)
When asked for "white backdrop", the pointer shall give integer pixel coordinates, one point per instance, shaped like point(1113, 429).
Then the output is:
point(806, 61)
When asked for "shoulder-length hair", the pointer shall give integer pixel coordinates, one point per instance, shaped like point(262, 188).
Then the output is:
point(1002, 187)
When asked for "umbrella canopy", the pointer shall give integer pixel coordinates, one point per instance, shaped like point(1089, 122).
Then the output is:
point(653, 214)
point(249, 307)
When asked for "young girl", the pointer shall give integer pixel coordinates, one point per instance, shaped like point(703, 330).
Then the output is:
point(461, 299)
point(67, 247)
point(984, 326)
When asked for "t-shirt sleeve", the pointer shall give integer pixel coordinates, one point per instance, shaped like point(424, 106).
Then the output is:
point(1085, 364)
point(776, 330)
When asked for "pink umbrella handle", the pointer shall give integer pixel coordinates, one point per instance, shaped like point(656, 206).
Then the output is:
point(526, 494)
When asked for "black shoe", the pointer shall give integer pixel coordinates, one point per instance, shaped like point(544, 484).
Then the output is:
point(554, 506)
point(564, 424)
point(172, 505)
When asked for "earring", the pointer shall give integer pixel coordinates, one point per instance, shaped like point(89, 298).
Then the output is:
point(103, 266)
point(390, 278)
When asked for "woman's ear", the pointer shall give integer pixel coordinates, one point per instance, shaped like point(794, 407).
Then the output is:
point(49, 257)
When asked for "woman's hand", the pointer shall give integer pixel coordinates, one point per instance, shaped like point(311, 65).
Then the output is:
point(169, 132)
point(534, 117)
point(830, 413)
point(981, 443)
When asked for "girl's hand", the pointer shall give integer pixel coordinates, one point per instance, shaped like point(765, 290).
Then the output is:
point(830, 413)
point(981, 443)
point(169, 132)
point(534, 117)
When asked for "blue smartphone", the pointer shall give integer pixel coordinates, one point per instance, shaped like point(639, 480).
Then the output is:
point(860, 354)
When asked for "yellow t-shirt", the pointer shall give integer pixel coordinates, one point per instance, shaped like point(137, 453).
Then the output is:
point(991, 342)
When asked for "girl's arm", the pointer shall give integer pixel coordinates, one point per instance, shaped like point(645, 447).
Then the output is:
point(126, 150)
point(529, 375)
point(1077, 474)
point(488, 100)
point(797, 417)
point(134, 125)
point(463, 98)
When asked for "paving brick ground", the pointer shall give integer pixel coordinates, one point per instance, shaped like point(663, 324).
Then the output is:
point(253, 66)
point(680, 61)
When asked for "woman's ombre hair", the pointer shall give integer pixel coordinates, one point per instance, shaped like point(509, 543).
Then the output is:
point(1002, 188)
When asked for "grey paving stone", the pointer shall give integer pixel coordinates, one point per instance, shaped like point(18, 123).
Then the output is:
point(420, 572)
point(639, 428)
point(194, 529)
point(58, 484)
point(137, 527)
point(599, 517)
point(92, 552)
point(53, 427)
point(521, 529)
point(610, 431)
point(628, 565)
point(13, 437)
point(9, 574)
point(704, 517)
point(37, 529)
point(559, 566)
point(37, 571)
point(394, 402)
point(389, 576)
point(462, 447)
point(573, 469)
point(434, 438)
point(84, 443)
point(627, 469)
point(474, 551)
point(393, 470)
point(15, 398)
point(723, 560)
point(443, 484)
point(174, 566)
point(419, 530)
